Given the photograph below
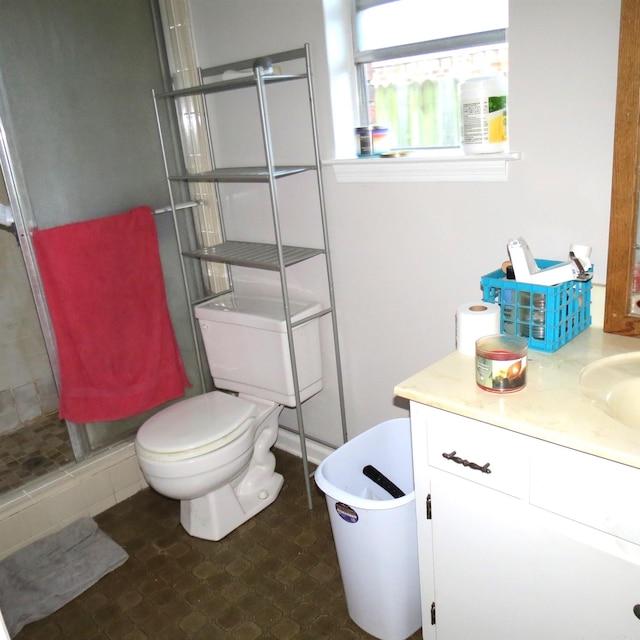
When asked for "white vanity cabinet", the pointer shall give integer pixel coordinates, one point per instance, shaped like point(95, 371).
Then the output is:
point(521, 539)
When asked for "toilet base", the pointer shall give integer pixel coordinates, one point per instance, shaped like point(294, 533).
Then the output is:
point(216, 514)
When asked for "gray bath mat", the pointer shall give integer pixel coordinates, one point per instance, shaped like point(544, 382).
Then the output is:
point(42, 577)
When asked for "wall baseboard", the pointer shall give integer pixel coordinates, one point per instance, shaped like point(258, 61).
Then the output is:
point(290, 442)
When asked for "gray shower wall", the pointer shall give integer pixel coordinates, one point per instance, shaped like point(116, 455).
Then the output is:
point(78, 77)
point(27, 388)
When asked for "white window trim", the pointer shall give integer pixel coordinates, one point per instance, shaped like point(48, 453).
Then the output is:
point(440, 166)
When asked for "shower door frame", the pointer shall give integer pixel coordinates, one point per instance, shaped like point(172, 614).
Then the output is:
point(24, 225)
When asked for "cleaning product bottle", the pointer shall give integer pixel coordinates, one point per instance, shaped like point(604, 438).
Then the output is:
point(483, 102)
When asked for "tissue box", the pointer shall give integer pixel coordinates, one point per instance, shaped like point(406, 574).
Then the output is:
point(548, 317)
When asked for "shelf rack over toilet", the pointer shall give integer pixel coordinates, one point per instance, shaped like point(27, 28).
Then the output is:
point(274, 256)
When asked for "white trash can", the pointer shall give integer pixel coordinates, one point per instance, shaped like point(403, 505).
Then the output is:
point(374, 533)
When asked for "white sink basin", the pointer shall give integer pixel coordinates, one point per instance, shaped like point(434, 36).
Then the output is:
point(613, 385)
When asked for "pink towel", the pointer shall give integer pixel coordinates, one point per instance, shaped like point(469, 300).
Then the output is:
point(105, 291)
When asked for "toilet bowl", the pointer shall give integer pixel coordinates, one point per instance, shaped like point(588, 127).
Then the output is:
point(213, 451)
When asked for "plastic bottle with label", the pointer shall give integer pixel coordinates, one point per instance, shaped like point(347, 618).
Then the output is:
point(483, 103)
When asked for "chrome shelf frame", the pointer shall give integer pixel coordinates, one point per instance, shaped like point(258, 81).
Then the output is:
point(258, 74)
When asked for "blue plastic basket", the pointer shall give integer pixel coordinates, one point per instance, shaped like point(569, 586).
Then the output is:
point(547, 316)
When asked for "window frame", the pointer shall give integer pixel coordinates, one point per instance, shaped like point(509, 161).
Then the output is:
point(435, 165)
point(426, 47)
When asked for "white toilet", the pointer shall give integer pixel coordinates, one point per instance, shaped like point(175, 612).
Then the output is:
point(213, 452)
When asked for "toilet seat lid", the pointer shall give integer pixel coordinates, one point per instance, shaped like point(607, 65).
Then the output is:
point(199, 424)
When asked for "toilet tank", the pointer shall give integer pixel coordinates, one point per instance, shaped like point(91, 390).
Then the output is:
point(245, 339)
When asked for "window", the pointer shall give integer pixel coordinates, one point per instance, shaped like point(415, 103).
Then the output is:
point(411, 58)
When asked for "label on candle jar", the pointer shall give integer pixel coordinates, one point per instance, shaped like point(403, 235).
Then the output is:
point(501, 363)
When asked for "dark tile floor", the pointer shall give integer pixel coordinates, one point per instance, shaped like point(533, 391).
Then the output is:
point(274, 577)
point(32, 451)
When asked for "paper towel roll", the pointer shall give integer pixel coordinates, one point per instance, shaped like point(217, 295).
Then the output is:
point(475, 320)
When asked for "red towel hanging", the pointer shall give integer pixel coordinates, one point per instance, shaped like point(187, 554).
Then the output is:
point(105, 291)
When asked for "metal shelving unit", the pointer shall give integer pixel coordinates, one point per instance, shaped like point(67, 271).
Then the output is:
point(276, 256)
point(242, 174)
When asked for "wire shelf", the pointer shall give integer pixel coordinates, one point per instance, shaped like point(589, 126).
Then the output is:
point(253, 254)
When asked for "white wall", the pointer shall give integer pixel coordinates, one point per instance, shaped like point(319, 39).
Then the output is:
point(406, 255)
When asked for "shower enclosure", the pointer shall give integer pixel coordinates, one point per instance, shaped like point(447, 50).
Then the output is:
point(78, 140)
point(27, 389)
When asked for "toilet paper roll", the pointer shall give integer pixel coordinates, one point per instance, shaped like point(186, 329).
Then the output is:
point(475, 320)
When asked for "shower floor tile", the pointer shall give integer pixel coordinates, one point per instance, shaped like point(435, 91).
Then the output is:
point(33, 451)
point(274, 577)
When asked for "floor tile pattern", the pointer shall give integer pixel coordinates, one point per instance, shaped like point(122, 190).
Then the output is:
point(275, 577)
point(32, 451)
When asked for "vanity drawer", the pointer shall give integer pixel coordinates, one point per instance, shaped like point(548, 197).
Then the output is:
point(587, 489)
point(482, 453)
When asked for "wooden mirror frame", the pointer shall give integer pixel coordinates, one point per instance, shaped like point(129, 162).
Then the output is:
point(625, 179)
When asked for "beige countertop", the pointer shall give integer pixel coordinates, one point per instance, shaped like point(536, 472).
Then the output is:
point(550, 407)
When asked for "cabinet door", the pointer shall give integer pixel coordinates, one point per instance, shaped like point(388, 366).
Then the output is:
point(480, 554)
point(504, 570)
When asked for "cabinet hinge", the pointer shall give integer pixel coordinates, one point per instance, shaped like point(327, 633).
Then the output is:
point(433, 613)
point(428, 506)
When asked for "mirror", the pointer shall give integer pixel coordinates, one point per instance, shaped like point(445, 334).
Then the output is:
point(621, 315)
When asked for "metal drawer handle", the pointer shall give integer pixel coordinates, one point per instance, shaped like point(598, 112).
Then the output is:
point(466, 463)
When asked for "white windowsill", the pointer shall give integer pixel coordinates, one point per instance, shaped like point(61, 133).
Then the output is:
point(447, 166)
